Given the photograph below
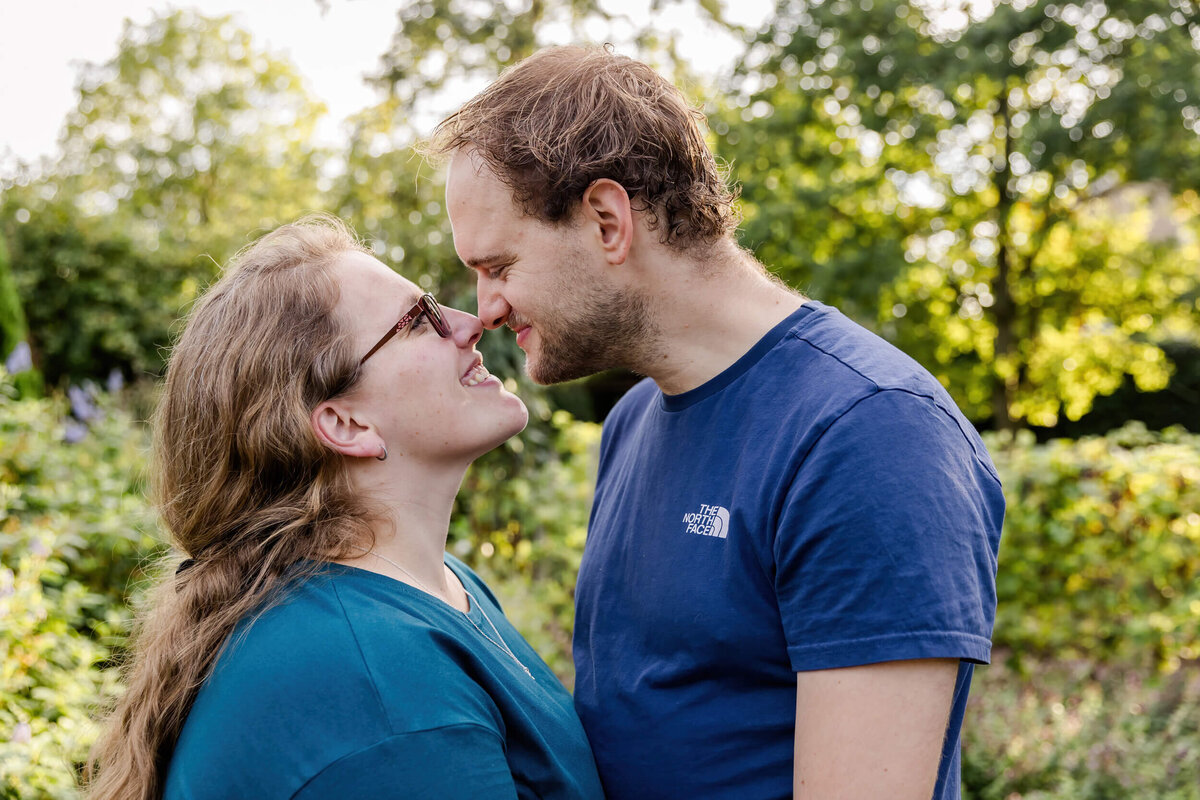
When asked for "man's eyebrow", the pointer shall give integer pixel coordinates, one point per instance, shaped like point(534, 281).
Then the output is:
point(480, 261)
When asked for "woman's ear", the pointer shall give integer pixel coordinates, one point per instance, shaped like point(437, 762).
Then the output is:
point(606, 206)
point(337, 429)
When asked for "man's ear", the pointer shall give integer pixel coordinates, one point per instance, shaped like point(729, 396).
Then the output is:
point(337, 429)
point(606, 206)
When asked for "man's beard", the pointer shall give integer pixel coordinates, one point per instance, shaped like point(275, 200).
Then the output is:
point(606, 328)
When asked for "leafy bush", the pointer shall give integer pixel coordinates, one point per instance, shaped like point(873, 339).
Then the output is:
point(1100, 558)
point(77, 469)
point(1069, 734)
point(50, 679)
point(72, 529)
point(94, 301)
point(14, 330)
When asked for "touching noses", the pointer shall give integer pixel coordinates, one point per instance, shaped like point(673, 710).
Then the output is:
point(493, 310)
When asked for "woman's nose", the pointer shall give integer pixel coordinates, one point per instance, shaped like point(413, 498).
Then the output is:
point(465, 328)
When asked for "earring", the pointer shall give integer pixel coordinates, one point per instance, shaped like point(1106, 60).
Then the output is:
point(384, 456)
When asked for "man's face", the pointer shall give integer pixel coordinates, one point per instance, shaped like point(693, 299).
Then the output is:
point(546, 282)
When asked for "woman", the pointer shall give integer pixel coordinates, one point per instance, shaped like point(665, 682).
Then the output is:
point(318, 416)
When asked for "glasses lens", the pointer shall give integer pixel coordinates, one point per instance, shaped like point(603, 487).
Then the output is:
point(434, 312)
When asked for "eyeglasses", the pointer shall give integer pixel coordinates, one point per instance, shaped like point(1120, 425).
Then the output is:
point(428, 306)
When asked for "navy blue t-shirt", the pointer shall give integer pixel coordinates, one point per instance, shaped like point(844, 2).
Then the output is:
point(821, 503)
point(359, 686)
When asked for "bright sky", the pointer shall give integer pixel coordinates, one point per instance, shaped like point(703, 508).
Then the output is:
point(42, 43)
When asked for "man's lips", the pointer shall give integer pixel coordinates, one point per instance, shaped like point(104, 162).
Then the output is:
point(522, 335)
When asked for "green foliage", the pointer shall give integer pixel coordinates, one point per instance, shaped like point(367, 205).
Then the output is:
point(1173, 405)
point(1100, 557)
point(181, 149)
point(14, 331)
point(49, 676)
point(84, 483)
point(73, 529)
point(444, 44)
point(941, 174)
point(95, 302)
point(192, 136)
point(1069, 733)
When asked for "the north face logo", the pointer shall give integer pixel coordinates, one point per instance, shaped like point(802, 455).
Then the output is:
point(708, 521)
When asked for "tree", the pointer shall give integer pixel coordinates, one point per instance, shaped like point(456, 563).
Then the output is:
point(183, 147)
point(192, 136)
point(95, 302)
point(456, 47)
point(964, 174)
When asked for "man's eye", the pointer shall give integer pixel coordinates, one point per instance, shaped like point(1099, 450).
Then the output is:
point(495, 272)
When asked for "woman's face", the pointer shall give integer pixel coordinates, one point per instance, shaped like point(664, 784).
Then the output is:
point(428, 397)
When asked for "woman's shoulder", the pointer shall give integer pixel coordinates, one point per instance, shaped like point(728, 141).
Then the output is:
point(339, 662)
point(348, 645)
point(290, 649)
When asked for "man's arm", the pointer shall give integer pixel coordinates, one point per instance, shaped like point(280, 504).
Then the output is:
point(872, 731)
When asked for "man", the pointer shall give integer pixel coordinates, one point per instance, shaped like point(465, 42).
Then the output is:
point(790, 564)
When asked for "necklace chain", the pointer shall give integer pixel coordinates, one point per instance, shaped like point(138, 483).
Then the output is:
point(503, 645)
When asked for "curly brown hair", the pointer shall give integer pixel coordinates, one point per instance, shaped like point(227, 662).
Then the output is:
point(567, 116)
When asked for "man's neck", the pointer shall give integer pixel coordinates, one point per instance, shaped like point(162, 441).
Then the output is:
point(706, 322)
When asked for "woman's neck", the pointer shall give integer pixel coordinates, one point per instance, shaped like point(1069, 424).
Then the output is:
point(410, 527)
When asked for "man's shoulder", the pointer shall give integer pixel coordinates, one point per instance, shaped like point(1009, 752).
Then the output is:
point(834, 350)
point(637, 399)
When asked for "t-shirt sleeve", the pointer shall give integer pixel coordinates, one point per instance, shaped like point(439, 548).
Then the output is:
point(886, 544)
point(458, 762)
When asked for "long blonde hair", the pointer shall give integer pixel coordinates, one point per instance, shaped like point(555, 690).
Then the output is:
point(242, 483)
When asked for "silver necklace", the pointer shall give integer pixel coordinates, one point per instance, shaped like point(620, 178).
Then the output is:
point(498, 641)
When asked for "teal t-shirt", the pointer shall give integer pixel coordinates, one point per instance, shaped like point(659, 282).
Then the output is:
point(356, 685)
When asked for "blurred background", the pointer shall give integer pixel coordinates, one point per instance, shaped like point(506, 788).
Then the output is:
point(1005, 190)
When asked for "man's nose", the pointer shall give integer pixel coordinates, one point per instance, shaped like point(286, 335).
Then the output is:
point(493, 309)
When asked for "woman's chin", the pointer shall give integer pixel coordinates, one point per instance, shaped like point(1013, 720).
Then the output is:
point(514, 425)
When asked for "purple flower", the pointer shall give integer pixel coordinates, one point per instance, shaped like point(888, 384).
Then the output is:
point(19, 360)
point(74, 431)
point(115, 381)
point(82, 406)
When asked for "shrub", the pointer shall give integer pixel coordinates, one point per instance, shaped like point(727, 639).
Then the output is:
point(15, 352)
point(1100, 558)
point(95, 302)
point(82, 479)
point(1069, 734)
point(70, 517)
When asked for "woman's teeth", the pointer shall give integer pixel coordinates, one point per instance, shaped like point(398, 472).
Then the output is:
point(476, 376)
